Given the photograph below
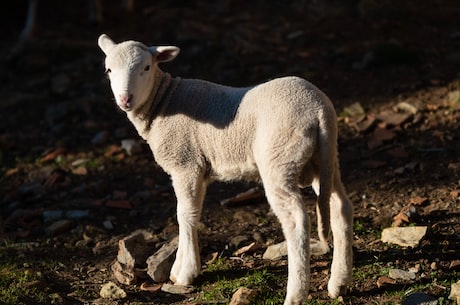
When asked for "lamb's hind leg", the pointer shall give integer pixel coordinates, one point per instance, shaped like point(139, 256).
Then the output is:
point(342, 232)
point(286, 201)
point(341, 211)
point(190, 192)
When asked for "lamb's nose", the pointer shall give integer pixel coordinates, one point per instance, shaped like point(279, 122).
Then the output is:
point(125, 100)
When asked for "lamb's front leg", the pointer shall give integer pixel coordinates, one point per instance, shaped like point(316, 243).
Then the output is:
point(190, 191)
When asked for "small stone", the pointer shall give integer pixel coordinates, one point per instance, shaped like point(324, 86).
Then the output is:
point(420, 298)
point(159, 264)
point(100, 138)
point(279, 250)
point(455, 291)
point(177, 289)
point(399, 274)
point(112, 291)
point(123, 273)
point(59, 227)
point(404, 236)
point(237, 240)
point(354, 109)
point(276, 251)
point(133, 250)
point(131, 146)
point(243, 296)
point(108, 224)
point(404, 106)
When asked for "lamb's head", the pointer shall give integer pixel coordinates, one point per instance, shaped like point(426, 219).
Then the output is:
point(132, 69)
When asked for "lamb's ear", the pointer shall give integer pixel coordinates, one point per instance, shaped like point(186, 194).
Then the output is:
point(164, 53)
point(105, 43)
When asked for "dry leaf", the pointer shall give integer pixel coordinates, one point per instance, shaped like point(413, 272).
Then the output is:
point(53, 155)
point(250, 247)
point(150, 287)
point(418, 200)
point(81, 171)
point(383, 280)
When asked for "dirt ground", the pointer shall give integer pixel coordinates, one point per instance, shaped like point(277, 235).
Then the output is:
point(61, 137)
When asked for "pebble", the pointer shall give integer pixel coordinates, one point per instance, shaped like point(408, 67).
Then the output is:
point(276, 251)
point(112, 291)
point(404, 236)
point(159, 264)
point(131, 146)
point(133, 249)
point(399, 274)
point(100, 138)
point(243, 296)
point(59, 227)
point(279, 250)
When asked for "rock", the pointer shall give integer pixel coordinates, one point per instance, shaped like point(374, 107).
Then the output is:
point(243, 296)
point(276, 251)
point(59, 227)
point(112, 291)
point(404, 236)
point(279, 250)
point(123, 273)
point(399, 274)
point(100, 138)
point(133, 250)
point(236, 241)
point(177, 289)
point(404, 106)
point(354, 109)
point(420, 298)
point(131, 146)
point(159, 264)
point(455, 291)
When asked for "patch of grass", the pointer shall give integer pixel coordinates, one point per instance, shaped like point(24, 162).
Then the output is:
point(18, 286)
point(221, 290)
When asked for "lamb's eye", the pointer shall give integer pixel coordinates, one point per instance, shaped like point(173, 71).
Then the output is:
point(107, 71)
point(147, 68)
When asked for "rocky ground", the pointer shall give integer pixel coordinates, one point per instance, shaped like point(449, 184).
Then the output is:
point(75, 177)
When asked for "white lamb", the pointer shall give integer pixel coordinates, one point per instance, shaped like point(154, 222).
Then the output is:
point(282, 133)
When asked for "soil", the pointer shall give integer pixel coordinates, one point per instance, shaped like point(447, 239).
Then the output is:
point(61, 134)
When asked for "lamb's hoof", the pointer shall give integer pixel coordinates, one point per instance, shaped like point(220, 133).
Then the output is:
point(336, 291)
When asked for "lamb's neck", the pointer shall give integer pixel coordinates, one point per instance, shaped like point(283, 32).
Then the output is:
point(143, 117)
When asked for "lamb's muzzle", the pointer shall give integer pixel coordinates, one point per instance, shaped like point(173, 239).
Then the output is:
point(125, 101)
point(282, 133)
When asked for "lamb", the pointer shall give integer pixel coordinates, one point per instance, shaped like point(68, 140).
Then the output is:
point(282, 133)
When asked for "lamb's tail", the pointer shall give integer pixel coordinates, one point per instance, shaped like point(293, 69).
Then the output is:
point(327, 140)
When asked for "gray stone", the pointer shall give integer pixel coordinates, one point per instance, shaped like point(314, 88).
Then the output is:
point(276, 251)
point(133, 250)
point(59, 227)
point(399, 274)
point(279, 250)
point(420, 298)
point(159, 264)
point(404, 236)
